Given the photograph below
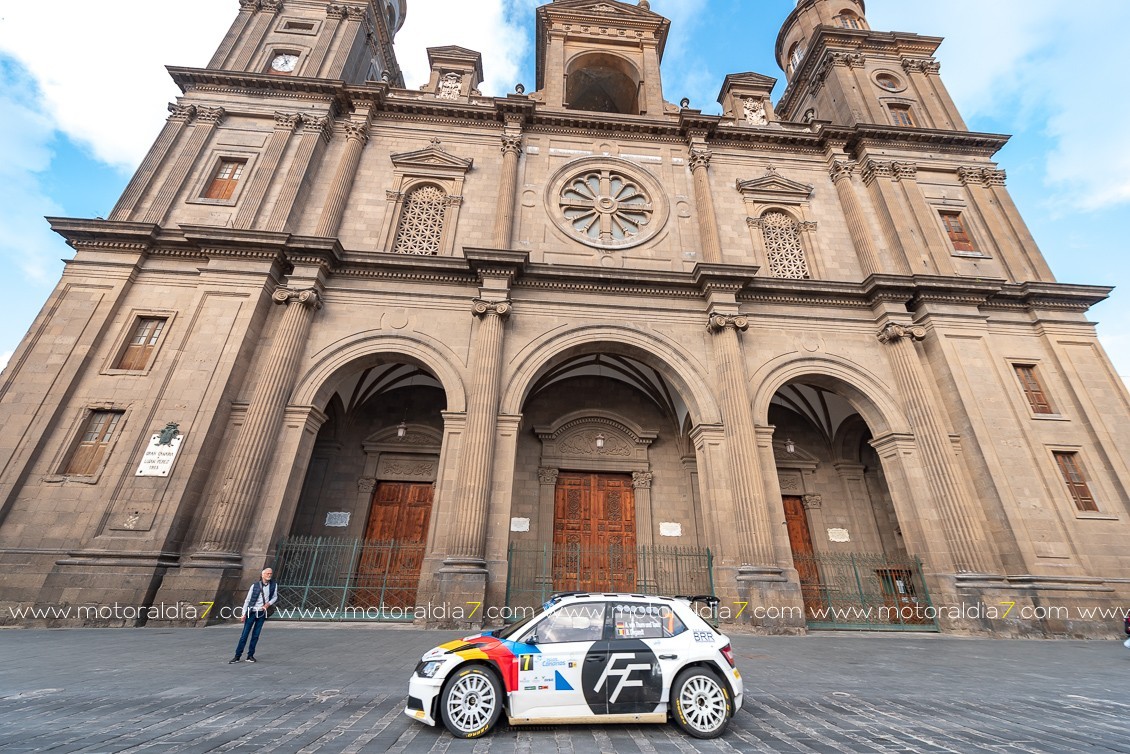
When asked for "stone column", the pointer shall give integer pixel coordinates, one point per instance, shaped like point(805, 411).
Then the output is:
point(995, 184)
point(960, 523)
point(207, 118)
point(247, 9)
point(547, 502)
point(357, 135)
point(265, 171)
point(755, 541)
point(646, 577)
point(704, 201)
point(179, 117)
point(507, 190)
point(315, 133)
point(466, 548)
point(268, 9)
point(226, 526)
point(937, 243)
point(354, 15)
point(841, 172)
point(334, 16)
point(876, 175)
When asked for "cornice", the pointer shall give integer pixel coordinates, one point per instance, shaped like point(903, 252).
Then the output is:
point(235, 82)
point(1058, 296)
point(109, 235)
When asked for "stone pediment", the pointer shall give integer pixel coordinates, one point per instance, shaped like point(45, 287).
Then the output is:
point(606, 8)
point(431, 157)
point(751, 79)
point(774, 187)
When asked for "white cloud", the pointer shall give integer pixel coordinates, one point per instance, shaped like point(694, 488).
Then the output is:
point(4, 359)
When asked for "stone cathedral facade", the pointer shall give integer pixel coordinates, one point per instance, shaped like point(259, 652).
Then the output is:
point(581, 322)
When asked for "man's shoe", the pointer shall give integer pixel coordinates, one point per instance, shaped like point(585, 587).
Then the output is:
point(233, 660)
point(251, 659)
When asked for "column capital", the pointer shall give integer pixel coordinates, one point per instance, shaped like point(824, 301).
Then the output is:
point(924, 66)
point(842, 169)
point(335, 11)
point(720, 322)
point(210, 114)
point(905, 171)
point(308, 297)
point(642, 479)
point(482, 308)
point(183, 113)
point(813, 502)
point(355, 131)
point(873, 169)
point(893, 332)
point(317, 124)
point(287, 121)
point(271, 6)
point(700, 158)
point(355, 12)
point(512, 143)
point(548, 476)
point(251, 5)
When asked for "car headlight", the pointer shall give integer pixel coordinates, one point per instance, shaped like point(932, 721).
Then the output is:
point(429, 669)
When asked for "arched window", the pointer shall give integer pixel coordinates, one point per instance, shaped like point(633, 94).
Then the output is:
point(796, 53)
point(603, 83)
point(783, 249)
point(421, 221)
point(849, 19)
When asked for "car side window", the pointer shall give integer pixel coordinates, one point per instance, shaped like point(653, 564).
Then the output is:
point(581, 622)
point(642, 621)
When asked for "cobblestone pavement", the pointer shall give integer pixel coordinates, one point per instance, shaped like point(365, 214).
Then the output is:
point(342, 689)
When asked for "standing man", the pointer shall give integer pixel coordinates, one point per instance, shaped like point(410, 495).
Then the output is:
point(260, 597)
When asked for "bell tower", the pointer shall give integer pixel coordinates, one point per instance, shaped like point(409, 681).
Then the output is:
point(601, 56)
point(842, 71)
point(348, 41)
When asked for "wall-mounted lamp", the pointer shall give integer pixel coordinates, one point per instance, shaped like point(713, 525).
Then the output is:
point(790, 446)
point(401, 430)
point(599, 441)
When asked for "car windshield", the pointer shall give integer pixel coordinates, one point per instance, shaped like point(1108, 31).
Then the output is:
point(513, 628)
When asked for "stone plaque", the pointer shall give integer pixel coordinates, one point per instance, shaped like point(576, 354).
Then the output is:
point(668, 529)
point(337, 519)
point(158, 458)
point(839, 535)
point(519, 524)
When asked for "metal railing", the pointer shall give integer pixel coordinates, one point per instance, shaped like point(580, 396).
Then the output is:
point(872, 591)
point(537, 570)
point(326, 578)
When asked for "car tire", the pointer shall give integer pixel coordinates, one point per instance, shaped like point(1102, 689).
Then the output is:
point(471, 702)
point(700, 703)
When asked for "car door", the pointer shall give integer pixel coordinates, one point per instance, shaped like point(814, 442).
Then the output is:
point(550, 679)
point(631, 673)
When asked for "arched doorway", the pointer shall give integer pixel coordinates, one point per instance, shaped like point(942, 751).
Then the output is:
point(846, 540)
point(364, 517)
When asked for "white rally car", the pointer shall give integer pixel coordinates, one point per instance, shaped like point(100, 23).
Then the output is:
point(584, 658)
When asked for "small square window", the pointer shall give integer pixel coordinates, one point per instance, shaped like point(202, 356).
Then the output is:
point(142, 344)
point(1072, 471)
point(225, 180)
point(96, 437)
point(955, 229)
point(901, 115)
point(1033, 390)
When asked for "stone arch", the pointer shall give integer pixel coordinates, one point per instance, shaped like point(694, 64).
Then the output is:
point(602, 82)
point(680, 368)
point(373, 347)
point(868, 394)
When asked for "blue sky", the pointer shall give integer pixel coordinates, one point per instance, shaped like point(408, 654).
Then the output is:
point(82, 102)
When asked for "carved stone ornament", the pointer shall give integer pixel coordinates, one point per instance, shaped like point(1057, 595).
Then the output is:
point(366, 485)
point(894, 332)
point(873, 169)
point(753, 222)
point(813, 502)
point(309, 297)
point(287, 120)
point(251, 5)
point(982, 176)
point(642, 479)
point(168, 434)
point(511, 143)
point(335, 11)
point(210, 114)
point(181, 112)
point(841, 169)
point(700, 158)
point(482, 308)
point(449, 87)
point(720, 322)
point(355, 12)
point(271, 6)
point(319, 124)
point(357, 131)
point(754, 112)
point(905, 171)
point(548, 476)
point(925, 66)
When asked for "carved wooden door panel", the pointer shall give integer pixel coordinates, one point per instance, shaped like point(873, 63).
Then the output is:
point(388, 571)
point(594, 533)
point(800, 539)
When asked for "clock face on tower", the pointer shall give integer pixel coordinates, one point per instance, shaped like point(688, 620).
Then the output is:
point(284, 62)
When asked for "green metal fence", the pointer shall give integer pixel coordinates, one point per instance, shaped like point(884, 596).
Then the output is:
point(325, 578)
point(537, 570)
point(865, 591)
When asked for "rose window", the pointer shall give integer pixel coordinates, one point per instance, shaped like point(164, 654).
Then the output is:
point(606, 208)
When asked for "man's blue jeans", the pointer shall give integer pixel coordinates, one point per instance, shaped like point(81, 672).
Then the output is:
point(253, 625)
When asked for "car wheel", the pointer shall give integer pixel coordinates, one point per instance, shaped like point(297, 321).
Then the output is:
point(471, 702)
point(701, 703)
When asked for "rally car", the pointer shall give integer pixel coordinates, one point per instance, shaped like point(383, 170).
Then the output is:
point(584, 658)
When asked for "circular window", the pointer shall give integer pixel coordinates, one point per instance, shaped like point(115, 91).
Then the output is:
point(890, 82)
point(607, 202)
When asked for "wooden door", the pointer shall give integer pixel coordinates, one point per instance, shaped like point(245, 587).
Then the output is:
point(594, 533)
point(800, 539)
point(388, 572)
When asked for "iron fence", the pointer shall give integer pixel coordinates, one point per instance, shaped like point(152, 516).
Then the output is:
point(872, 591)
point(537, 570)
point(326, 578)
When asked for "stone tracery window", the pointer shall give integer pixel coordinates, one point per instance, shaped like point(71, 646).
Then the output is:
point(783, 248)
point(605, 207)
point(421, 222)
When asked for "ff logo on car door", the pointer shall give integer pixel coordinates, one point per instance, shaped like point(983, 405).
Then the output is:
point(626, 680)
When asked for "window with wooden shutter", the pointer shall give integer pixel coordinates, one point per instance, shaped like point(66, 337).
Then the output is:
point(226, 179)
point(955, 229)
point(142, 343)
point(1072, 472)
point(901, 115)
point(1033, 390)
point(91, 448)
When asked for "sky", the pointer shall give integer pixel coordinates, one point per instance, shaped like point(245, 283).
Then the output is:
point(83, 93)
